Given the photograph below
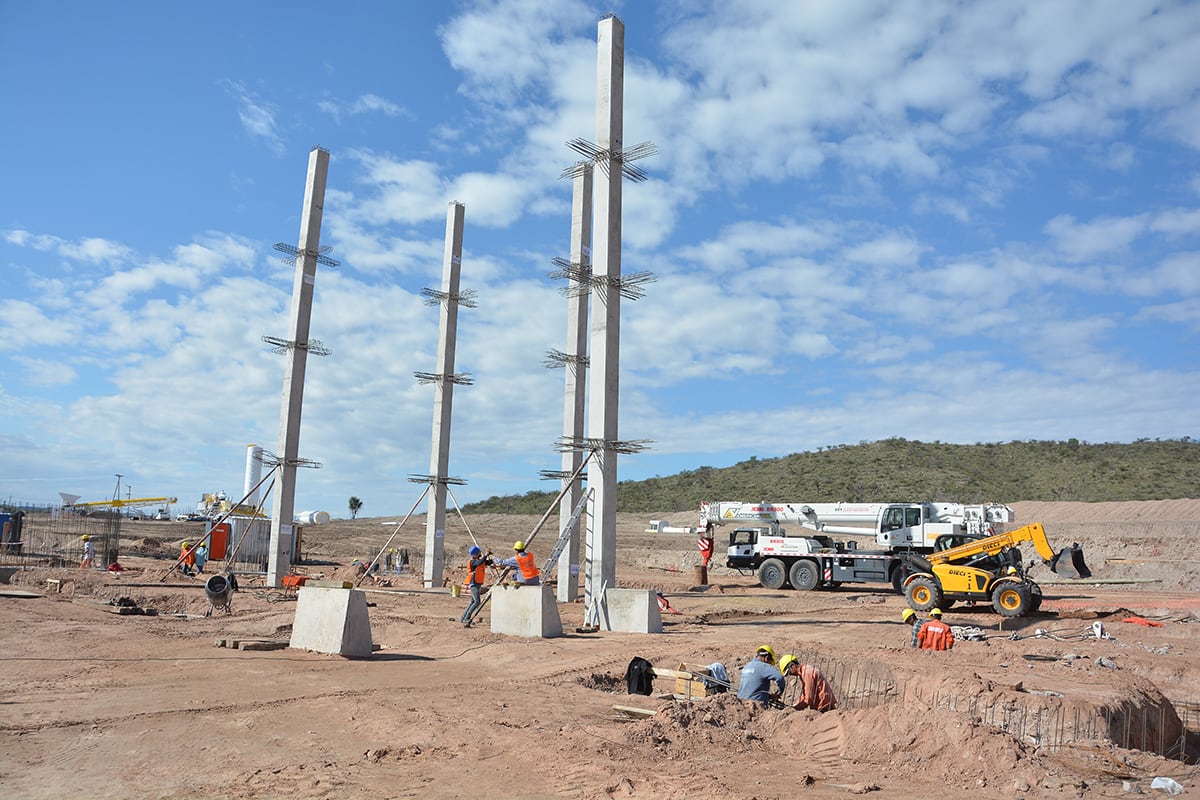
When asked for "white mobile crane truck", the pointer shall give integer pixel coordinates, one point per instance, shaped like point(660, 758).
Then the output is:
point(811, 561)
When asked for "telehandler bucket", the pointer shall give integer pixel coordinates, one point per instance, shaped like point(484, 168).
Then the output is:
point(1069, 563)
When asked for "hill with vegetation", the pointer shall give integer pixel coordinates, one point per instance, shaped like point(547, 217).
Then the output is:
point(901, 470)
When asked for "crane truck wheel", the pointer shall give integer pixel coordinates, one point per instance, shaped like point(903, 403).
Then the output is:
point(898, 576)
point(772, 574)
point(923, 593)
point(1012, 599)
point(804, 575)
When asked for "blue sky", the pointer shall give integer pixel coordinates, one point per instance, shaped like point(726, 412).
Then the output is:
point(952, 221)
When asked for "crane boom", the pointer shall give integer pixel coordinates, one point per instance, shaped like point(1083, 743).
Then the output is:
point(128, 503)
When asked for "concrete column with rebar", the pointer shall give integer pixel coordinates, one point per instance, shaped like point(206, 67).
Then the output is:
point(604, 352)
point(439, 460)
point(279, 560)
point(575, 389)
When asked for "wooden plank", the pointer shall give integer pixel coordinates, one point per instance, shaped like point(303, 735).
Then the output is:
point(660, 672)
point(634, 711)
point(271, 645)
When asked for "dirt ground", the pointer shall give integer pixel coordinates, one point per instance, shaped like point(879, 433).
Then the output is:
point(97, 704)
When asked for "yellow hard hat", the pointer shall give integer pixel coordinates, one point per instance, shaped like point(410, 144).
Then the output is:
point(1012, 570)
point(937, 612)
point(766, 648)
point(786, 662)
point(187, 544)
point(519, 544)
point(84, 538)
point(907, 614)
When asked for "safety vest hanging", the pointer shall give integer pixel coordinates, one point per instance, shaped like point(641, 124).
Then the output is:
point(526, 564)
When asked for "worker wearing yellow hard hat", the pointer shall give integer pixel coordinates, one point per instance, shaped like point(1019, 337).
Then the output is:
point(935, 634)
point(188, 557)
point(910, 618)
point(755, 682)
point(89, 552)
point(527, 572)
point(808, 687)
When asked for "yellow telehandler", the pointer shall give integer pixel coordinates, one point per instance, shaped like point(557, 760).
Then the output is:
point(987, 569)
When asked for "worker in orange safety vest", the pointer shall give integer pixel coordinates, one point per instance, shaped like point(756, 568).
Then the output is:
point(476, 578)
point(527, 572)
point(935, 634)
point(189, 558)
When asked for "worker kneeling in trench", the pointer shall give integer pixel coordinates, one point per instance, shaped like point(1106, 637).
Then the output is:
point(810, 689)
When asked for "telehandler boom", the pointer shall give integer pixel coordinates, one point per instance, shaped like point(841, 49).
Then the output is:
point(988, 570)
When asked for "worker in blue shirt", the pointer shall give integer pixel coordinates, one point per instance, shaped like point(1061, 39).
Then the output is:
point(758, 675)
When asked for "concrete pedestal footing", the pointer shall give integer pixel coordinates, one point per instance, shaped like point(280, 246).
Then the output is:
point(631, 611)
point(525, 611)
point(332, 621)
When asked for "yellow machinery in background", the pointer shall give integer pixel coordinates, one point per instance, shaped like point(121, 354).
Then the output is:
point(988, 570)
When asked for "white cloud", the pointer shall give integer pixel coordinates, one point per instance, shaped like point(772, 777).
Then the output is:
point(91, 250)
point(1177, 222)
point(363, 104)
point(1081, 241)
point(893, 249)
point(257, 116)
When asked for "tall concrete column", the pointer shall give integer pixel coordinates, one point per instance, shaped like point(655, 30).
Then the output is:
point(575, 391)
point(604, 352)
point(439, 460)
point(279, 561)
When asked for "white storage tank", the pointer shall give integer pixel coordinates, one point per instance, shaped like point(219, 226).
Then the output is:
point(312, 518)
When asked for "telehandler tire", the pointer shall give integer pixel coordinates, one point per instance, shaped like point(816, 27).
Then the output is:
point(772, 574)
point(1035, 596)
point(1012, 599)
point(804, 575)
point(923, 593)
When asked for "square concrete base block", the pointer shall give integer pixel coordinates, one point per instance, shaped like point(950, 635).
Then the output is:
point(630, 611)
point(525, 611)
point(332, 621)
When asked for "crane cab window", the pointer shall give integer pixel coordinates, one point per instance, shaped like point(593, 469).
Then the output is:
point(900, 517)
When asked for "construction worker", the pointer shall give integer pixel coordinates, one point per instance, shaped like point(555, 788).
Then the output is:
point(201, 556)
point(758, 675)
point(189, 558)
point(811, 688)
point(910, 618)
point(476, 577)
point(523, 562)
point(89, 552)
point(935, 634)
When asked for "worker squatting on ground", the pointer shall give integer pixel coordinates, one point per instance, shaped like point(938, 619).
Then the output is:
point(935, 634)
point(758, 675)
point(527, 572)
point(810, 689)
point(910, 618)
point(476, 577)
point(89, 552)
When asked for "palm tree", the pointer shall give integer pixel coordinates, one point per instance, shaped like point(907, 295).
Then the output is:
point(355, 505)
